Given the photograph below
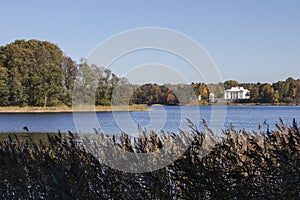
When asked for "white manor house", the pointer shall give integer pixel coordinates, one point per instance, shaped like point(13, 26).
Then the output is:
point(237, 93)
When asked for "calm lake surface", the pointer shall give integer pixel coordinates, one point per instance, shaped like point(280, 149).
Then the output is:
point(167, 118)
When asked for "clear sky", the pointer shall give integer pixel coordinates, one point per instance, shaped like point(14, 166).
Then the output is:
point(249, 40)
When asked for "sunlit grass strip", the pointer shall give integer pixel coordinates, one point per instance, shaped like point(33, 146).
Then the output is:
point(61, 109)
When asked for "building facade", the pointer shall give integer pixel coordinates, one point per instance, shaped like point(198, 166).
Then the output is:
point(237, 93)
point(211, 97)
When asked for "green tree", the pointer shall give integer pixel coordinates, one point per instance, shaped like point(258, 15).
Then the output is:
point(70, 71)
point(17, 97)
point(292, 87)
point(49, 67)
point(265, 95)
point(4, 89)
point(276, 96)
point(254, 94)
point(86, 83)
point(280, 87)
point(220, 90)
point(298, 89)
point(35, 67)
point(123, 93)
point(230, 83)
point(106, 85)
point(139, 96)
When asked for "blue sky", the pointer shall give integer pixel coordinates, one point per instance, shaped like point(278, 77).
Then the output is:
point(250, 41)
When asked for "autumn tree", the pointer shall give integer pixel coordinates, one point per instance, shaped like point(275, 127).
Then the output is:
point(204, 92)
point(171, 98)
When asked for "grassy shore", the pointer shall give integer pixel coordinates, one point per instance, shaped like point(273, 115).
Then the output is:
point(135, 107)
point(59, 109)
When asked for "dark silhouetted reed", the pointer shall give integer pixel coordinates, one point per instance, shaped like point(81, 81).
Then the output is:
point(242, 165)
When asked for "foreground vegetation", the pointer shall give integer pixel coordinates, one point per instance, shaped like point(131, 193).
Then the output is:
point(263, 165)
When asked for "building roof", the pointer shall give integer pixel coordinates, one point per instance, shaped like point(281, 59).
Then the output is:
point(237, 89)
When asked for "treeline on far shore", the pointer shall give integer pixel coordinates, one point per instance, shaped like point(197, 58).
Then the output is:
point(240, 165)
point(37, 73)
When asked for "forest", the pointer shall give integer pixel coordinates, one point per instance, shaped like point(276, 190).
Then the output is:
point(38, 73)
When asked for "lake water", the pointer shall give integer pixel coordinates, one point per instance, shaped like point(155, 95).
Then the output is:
point(167, 118)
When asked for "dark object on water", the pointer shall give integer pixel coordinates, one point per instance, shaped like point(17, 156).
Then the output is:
point(268, 127)
point(295, 126)
point(96, 131)
point(25, 128)
point(259, 126)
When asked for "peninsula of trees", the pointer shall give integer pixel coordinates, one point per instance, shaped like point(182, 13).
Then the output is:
point(37, 73)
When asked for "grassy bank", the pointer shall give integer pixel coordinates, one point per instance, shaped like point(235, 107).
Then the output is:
point(59, 109)
point(135, 107)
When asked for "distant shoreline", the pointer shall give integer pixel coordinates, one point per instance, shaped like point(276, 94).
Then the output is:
point(223, 103)
point(135, 107)
point(262, 104)
point(65, 109)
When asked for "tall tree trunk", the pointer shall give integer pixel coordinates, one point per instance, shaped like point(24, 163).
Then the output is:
point(45, 102)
